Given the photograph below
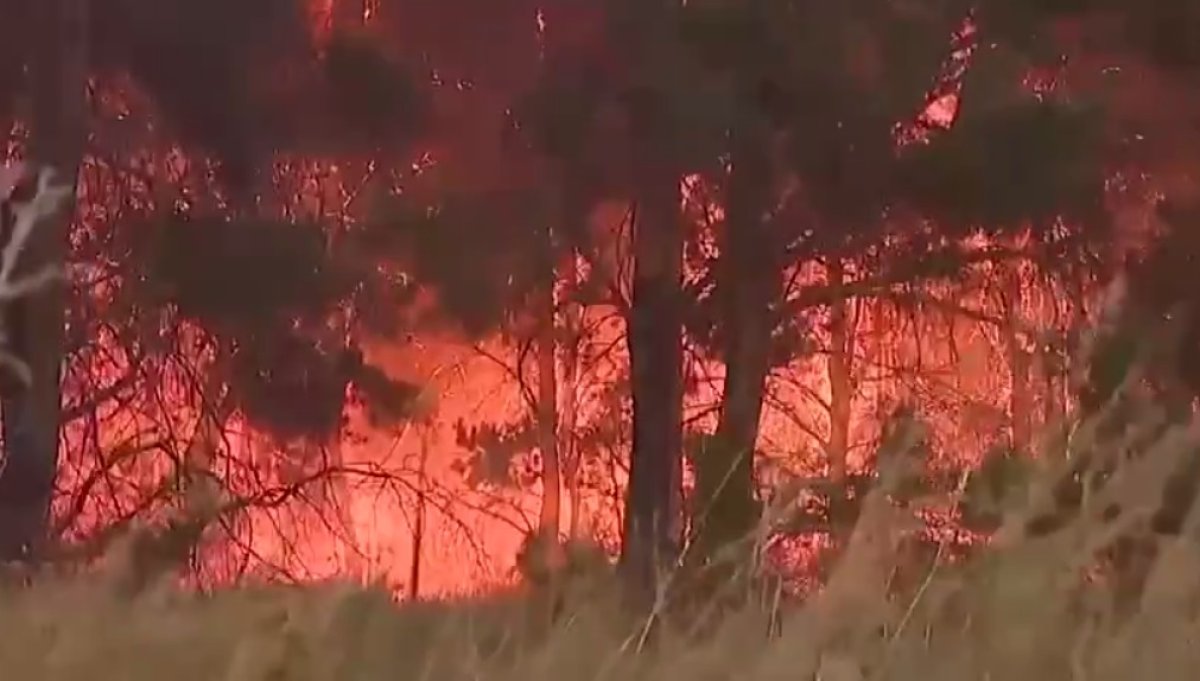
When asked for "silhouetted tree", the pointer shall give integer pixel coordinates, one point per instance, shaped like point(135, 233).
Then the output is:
point(822, 167)
point(31, 413)
point(242, 82)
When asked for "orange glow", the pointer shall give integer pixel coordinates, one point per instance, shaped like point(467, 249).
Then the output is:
point(948, 348)
point(942, 353)
point(320, 19)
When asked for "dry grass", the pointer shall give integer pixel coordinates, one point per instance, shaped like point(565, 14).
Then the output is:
point(1024, 609)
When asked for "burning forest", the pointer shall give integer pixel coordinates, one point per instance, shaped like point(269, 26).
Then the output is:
point(442, 296)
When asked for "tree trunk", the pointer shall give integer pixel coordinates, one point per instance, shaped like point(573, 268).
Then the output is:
point(656, 360)
point(32, 417)
point(1019, 366)
point(549, 519)
point(418, 531)
point(655, 320)
point(749, 281)
point(202, 491)
point(1021, 398)
point(841, 397)
point(568, 422)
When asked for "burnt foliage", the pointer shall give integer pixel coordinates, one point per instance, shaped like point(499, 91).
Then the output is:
point(375, 101)
point(270, 294)
point(1033, 163)
point(477, 250)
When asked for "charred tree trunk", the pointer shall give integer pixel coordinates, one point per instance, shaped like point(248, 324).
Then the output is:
point(31, 417)
point(841, 397)
point(656, 361)
point(655, 321)
point(749, 281)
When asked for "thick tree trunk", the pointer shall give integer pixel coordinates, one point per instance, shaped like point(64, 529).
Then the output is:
point(31, 418)
point(726, 510)
point(655, 322)
point(656, 359)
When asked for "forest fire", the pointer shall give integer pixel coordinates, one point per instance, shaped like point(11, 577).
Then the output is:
point(548, 339)
point(948, 355)
point(368, 313)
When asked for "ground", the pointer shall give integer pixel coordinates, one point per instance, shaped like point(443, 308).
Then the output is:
point(1023, 607)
